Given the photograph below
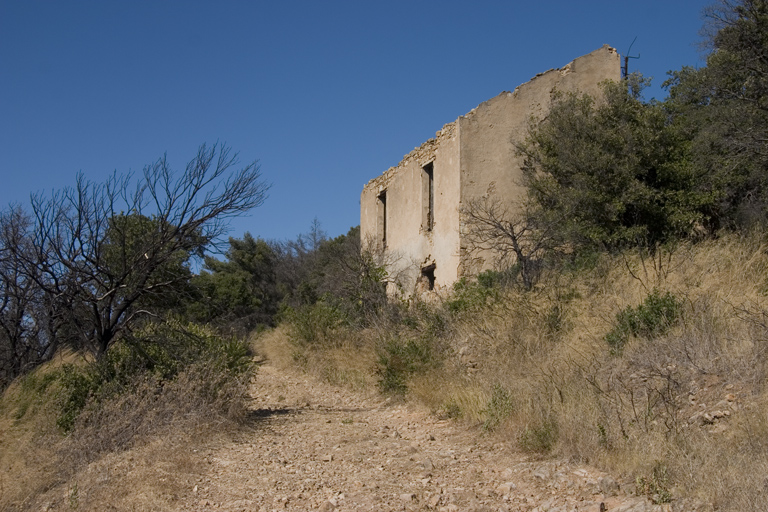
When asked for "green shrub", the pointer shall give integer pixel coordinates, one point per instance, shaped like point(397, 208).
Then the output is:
point(400, 358)
point(470, 296)
point(79, 386)
point(314, 323)
point(539, 438)
point(31, 388)
point(499, 407)
point(653, 317)
point(158, 352)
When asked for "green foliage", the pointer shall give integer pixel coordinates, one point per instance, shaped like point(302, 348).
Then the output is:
point(723, 110)
point(158, 352)
point(79, 386)
point(651, 318)
point(399, 358)
point(470, 296)
point(539, 438)
point(611, 173)
point(31, 388)
point(314, 323)
point(499, 408)
point(242, 290)
point(341, 273)
point(128, 242)
point(656, 485)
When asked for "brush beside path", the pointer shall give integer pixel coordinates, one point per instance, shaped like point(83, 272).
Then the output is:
point(314, 446)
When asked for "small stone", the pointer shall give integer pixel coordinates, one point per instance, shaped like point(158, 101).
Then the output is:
point(327, 506)
point(634, 505)
point(608, 486)
point(541, 474)
point(327, 458)
point(505, 488)
point(408, 497)
point(433, 501)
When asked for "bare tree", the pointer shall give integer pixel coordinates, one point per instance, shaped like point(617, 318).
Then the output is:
point(103, 252)
point(513, 237)
point(20, 343)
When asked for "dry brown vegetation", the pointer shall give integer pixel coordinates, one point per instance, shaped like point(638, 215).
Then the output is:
point(678, 410)
point(677, 414)
point(129, 451)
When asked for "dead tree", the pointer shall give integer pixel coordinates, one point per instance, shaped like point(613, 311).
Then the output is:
point(103, 251)
point(22, 344)
point(513, 237)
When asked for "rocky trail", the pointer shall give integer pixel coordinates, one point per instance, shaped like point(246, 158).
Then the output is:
point(319, 447)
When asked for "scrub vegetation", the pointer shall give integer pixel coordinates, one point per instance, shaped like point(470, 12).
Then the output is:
point(627, 328)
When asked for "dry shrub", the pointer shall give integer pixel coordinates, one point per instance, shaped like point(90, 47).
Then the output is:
point(132, 407)
point(677, 414)
point(638, 413)
point(196, 399)
point(347, 359)
point(28, 436)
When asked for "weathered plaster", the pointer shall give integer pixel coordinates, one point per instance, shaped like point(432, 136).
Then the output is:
point(472, 156)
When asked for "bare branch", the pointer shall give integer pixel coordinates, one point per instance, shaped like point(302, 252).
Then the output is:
point(99, 252)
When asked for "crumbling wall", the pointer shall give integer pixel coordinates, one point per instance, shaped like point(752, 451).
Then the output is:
point(412, 245)
point(472, 157)
point(490, 165)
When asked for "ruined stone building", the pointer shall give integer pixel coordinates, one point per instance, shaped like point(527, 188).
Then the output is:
point(413, 211)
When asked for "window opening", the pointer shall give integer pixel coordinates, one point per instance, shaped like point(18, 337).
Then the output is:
point(428, 196)
point(428, 274)
point(382, 214)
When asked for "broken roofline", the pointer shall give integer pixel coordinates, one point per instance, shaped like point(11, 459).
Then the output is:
point(448, 129)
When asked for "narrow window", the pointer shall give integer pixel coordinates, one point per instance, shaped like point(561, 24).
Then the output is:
point(428, 275)
point(382, 217)
point(428, 196)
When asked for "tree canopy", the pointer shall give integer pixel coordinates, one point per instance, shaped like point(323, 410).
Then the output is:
point(97, 257)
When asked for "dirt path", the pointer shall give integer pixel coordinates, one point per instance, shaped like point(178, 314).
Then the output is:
point(318, 447)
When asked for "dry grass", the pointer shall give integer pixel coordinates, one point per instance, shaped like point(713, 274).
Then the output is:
point(536, 367)
point(344, 360)
point(139, 450)
point(678, 414)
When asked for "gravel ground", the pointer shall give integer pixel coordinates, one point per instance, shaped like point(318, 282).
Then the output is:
point(319, 447)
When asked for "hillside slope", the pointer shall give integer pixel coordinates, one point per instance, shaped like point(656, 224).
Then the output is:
point(313, 446)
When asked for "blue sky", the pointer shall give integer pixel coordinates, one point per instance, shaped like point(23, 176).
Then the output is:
point(325, 94)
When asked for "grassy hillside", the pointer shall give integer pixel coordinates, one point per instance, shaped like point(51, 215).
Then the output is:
point(119, 432)
point(650, 367)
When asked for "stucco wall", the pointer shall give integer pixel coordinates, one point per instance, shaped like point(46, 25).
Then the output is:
point(471, 157)
point(411, 244)
point(489, 133)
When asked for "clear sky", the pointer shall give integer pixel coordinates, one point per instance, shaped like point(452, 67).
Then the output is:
point(325, 94)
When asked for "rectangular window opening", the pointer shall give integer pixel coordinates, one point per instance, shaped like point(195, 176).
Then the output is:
point(428, 275)
point(428, 196)
point(382, 217)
